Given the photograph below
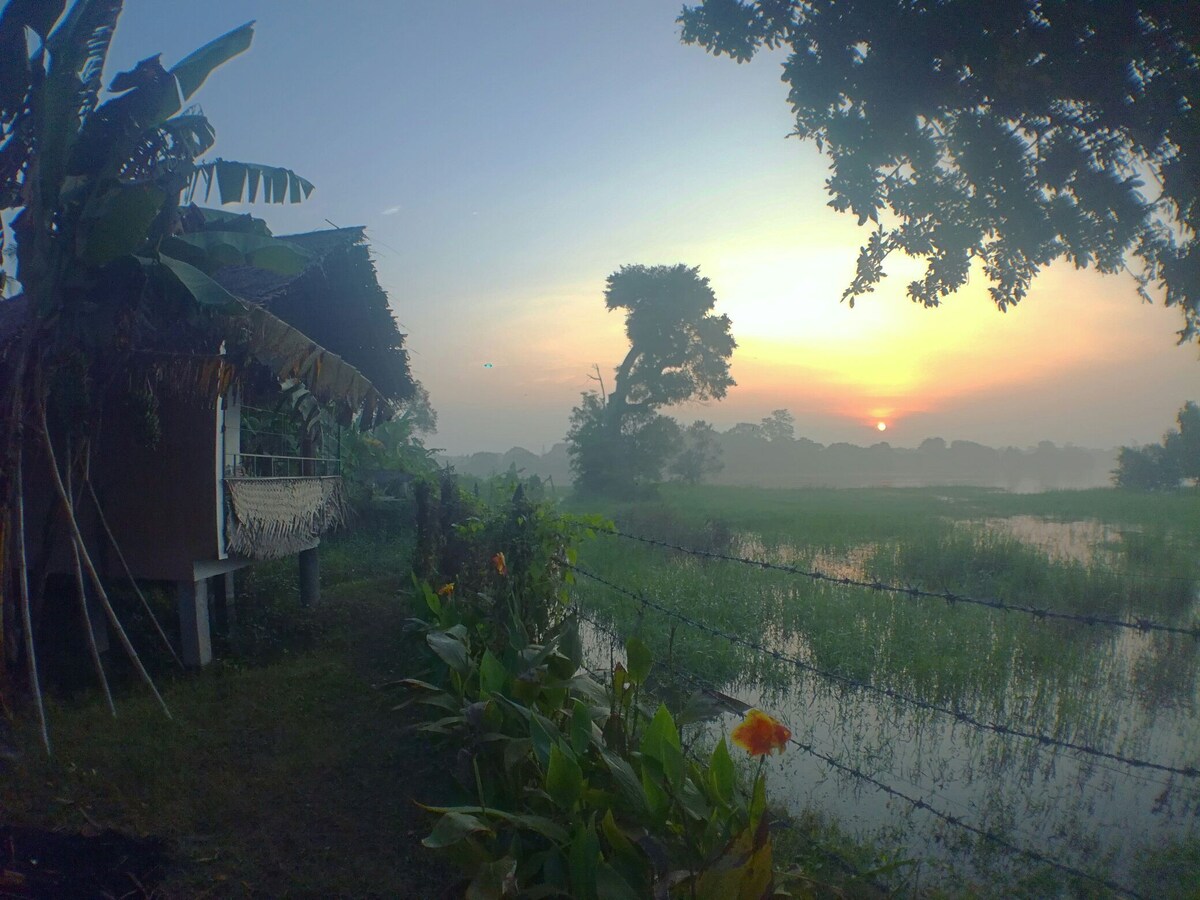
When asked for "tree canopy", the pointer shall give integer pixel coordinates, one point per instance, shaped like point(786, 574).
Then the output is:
point(678, 350)
point(1162, 466)
point(1015, 134)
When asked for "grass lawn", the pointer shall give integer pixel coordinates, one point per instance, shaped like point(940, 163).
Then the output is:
point(287, 779)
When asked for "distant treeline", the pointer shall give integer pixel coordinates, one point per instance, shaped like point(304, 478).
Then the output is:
point(752, 455)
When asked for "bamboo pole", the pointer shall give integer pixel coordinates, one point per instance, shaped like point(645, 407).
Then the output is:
point(86, 559)
point(14, 436)
point(23, 590)
point(81, 591)
point(129, 574)
point(87, 624)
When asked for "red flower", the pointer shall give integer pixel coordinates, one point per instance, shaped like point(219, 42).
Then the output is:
point(500, 564)
point(760, 733)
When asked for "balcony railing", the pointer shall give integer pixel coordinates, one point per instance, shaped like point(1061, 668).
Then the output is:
point(262, 465)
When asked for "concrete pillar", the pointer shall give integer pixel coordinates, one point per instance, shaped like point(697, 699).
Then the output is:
point(194, 633)
point(310, 577)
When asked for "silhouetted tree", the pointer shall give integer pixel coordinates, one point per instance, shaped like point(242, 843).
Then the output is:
point(612, 456)
point(1013, 133)
point(746, 430)
point(1162, 466)
point(780, 425)
point(1184, 444)
point(1147, 468)
point(700, 454)
point(678, 350)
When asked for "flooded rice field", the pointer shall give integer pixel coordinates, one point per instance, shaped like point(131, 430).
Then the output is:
point(908, 667)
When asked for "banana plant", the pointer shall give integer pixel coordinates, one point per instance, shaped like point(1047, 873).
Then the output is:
point(91, 185)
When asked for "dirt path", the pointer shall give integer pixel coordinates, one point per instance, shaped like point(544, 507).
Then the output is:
point(293, 779)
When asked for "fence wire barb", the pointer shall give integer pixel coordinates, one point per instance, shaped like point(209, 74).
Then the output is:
point(1139, 623)
point(892, 694)
point(915, 802)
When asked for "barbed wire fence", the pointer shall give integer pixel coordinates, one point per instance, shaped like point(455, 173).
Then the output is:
point(1140, 624)
point(843, 768)
point(913, 592)
point(892, 694)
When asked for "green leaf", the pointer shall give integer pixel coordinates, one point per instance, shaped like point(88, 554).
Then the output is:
point(193, 131)
point(583, 860)
point(450, 650)
point(236, 181)
point(203, 289)
point(581, 727)
point(744, 871)
point(627, 781)
point(620, 844)
point(622, 687)
point(516, 752)
point(758, 800)
point(452, 828)
point(692, 799)
point(296, 191)
point(564, 778)
point(192, 70)
point(585, 687)
point(611, 886)
point(492, 674)
point(231, 181)
point(720, 772)
point(544, 735)
point(118, 224)
point(660, 742)
point(640, 660)
point(547, 828)
point(656, 799)
point(225, 248)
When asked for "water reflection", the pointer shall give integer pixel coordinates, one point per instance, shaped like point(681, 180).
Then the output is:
point(1128, 693)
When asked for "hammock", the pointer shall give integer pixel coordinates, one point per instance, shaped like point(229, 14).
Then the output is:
point(275, 517)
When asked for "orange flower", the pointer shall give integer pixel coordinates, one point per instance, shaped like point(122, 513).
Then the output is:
point(760, 733)
point(500, 564)
point(446, 590)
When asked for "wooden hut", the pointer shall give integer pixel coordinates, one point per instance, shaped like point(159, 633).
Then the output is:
point(188, 490)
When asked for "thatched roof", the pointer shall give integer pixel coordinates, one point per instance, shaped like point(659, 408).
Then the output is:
point(336, 301)
point(327, 325)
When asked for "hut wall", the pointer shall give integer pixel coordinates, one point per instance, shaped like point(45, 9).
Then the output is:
point(162, 502)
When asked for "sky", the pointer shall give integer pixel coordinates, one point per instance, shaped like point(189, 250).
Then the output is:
point(505, 158)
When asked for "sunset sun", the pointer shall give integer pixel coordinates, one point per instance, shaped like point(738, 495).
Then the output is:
point(881, 426)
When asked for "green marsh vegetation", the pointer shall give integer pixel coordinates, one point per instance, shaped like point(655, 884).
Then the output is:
point(1102, 553)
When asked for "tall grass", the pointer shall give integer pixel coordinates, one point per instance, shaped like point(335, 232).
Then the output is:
point(992, 663)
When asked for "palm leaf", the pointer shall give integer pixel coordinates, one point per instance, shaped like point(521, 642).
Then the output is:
point(292, 355)
point(239, 182)
point(37, 16)
point(191, 130)
point(192, 70)
point(78, 48)
point(210, 250)
point(202, 289)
